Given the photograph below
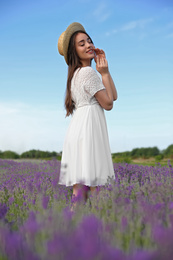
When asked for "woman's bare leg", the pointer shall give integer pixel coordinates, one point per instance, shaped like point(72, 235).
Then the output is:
point(79, 192)
point(94, 191)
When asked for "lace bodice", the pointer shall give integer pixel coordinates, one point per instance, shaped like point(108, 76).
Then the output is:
point(84, 85)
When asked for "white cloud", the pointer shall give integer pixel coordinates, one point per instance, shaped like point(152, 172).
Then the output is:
point(169, 36)
point(10, 109)
point(170, 25)
point(131, 26)
point(101, 13)
point(24, 127)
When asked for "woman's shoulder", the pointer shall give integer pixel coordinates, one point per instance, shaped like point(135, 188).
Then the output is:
point(87, 72)
point(87, 69)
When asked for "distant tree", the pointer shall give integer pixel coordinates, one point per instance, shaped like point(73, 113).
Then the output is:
point(33, 153)
point(10, 155)
point(54, 154)
point(168, 151)
point(145, 152)
point(135, 153)
point(122, 154)
point(155, 151)
point(37, 154)
point(1, 154)
point(159, 157)
point(24, 155)
point(29, 154)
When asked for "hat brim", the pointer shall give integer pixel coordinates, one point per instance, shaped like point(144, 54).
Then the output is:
point(71, 29)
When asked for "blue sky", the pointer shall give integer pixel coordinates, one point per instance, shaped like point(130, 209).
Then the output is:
point(137, 37)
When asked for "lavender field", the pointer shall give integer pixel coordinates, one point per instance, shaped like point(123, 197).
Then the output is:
point(131, 218)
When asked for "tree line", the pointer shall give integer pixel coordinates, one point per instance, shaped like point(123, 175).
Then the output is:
point(135, 153)
point(146, 152)
point(32, 154)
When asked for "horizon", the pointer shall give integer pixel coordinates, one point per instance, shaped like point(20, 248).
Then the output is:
point(61, 151)
point(137, 37)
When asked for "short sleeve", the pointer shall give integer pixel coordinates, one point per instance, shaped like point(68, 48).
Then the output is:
point(92, 83)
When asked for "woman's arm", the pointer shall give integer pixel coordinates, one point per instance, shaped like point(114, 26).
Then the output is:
point(114, 91)
point(107, 96)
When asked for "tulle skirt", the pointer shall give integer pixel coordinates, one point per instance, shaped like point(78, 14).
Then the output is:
point(86, 156)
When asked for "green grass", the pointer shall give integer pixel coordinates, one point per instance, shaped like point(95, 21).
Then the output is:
point(141, 161)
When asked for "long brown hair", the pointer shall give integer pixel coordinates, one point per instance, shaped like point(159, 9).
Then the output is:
point(74, 63)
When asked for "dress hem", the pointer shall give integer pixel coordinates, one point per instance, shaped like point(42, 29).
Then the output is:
point(88, 184)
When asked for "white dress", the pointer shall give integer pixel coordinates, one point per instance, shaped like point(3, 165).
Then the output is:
point(86, 156)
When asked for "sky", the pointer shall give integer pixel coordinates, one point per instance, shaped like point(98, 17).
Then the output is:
point(137, 37)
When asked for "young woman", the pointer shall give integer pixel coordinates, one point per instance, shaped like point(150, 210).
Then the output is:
point(86, 157)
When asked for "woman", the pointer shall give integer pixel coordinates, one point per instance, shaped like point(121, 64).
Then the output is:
point(86, 158)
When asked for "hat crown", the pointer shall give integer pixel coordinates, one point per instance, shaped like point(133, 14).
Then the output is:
point(64, 39)
point(60, 44)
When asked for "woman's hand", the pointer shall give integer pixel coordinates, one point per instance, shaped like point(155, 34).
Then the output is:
point(99, 53)
point(101, 62)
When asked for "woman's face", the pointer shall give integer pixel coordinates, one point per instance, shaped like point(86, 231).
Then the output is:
point(84, 48)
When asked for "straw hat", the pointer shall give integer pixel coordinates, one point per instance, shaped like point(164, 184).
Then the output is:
point(64, 39)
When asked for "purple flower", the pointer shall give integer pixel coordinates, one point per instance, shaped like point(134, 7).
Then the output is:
point(45, 201)
point(16, 247)
point(31, 226)
point(89, 231)
point(3, 210)
point(55, 196)
point(164, 238)
point(11, 200)
point(124, 223)
point(143, 255)
point(171, 205)
point(67, 214)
